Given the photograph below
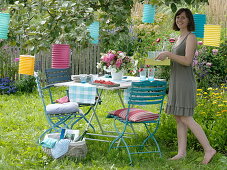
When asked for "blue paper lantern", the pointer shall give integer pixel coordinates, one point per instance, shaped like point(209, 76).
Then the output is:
point(94, 32)
point(200, 21)
point(4, 25)
point(148, 13)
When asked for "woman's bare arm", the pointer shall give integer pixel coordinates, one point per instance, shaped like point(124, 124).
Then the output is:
point(186, 60)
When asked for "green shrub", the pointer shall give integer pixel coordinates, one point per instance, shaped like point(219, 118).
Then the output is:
point(210, 68)
point(211, 114)
point(26, 84)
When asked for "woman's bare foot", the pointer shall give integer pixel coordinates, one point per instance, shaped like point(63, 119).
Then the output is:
point(208, 156)
point(177, 157)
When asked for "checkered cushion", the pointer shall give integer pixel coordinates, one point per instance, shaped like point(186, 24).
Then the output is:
point(135, 115)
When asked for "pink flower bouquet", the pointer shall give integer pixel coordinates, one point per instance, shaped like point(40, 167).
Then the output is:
point(117, 60)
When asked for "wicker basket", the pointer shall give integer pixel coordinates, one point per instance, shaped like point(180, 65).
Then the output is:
point(76, 149)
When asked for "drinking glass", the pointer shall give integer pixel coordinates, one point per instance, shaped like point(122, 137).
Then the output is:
point(150, 74)
point(143, 75)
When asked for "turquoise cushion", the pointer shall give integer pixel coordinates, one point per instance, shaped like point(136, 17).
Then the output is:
point(69, 107)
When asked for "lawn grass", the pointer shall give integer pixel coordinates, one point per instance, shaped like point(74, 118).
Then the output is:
point(22, 121)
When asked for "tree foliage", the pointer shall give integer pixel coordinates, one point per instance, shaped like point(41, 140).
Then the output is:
point(35, 24)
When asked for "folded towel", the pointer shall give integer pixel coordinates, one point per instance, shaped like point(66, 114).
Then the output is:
point(61, 148)
point(48, 142)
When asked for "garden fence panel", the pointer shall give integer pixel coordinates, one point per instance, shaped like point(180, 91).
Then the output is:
point(83, 60)
point(42, 61)
point(8, 65)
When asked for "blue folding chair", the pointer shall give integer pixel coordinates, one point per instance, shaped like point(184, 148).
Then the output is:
point(141, 95)
point(54, 76)
point(59, 116)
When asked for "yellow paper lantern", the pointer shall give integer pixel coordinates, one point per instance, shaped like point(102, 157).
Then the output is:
point(27, 64)
point(212, 35)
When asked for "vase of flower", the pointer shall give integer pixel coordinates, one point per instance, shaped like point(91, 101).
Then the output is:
point(117, 62)
point(116, 76)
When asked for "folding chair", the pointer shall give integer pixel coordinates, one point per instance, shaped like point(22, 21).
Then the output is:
point(58, 115)
point(54, 76)
point(141, 95)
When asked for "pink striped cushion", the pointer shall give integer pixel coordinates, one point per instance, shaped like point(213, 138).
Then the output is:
point(135, 115)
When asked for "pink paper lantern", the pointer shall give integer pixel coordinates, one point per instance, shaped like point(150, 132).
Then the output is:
point(60, 56)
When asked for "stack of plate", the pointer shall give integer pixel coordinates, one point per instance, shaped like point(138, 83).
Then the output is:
point(75, 78)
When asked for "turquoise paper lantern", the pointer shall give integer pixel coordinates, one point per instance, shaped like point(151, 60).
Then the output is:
point(200, 21)
point(4, 25)
point(94, 32)
point(148, 13)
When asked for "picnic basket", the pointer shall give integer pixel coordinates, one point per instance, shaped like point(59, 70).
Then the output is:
point(76, 149)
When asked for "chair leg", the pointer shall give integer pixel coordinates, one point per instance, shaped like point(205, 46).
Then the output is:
point(121, 139)
point(160, 153)
point(151, 135)
point(42, 135)
point(49, 130)
point(97, 119)
point(79, 120)
point(126, 146)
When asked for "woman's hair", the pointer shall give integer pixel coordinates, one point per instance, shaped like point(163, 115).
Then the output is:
point(188, 13)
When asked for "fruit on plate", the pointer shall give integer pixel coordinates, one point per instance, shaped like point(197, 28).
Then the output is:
point(104, 82)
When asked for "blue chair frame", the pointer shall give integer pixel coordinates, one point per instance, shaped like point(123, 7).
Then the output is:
point(141, 94)
point(59, 120)
point(54, 76)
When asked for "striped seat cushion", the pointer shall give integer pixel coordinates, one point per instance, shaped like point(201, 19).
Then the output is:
point(135, 115)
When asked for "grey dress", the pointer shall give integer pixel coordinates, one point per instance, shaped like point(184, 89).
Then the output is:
point(182, 86)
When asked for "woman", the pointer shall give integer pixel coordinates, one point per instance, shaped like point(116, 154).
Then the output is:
point(182, 85)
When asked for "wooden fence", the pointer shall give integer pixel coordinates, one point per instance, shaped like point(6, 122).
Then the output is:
point(8, 67)
point(83, 60)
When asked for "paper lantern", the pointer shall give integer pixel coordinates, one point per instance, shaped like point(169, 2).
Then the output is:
point(26, 64)
point(148, 13)
point(212, 35)
point(200, 21)
point(94, 32)
point(60, 56)
point(4, 25)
